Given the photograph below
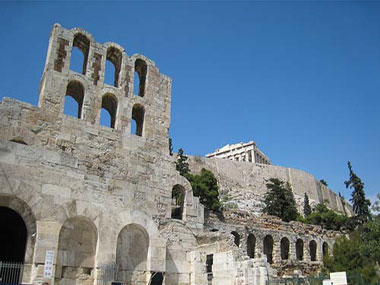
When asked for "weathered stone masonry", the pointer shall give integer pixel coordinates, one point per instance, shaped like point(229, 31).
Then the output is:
point(102, 198)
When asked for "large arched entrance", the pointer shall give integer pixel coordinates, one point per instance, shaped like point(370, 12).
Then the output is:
point(13, 240)
point(13, 236)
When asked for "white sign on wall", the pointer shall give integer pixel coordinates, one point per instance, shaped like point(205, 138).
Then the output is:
point(48, 268)
point(339, 278)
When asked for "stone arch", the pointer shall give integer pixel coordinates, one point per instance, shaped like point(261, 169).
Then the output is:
point(236, 238)
point(24, 211)
point(325, 249)
point(178, 201)
point(132, 253)
point(77, 245)
point(268, 248)
point(313, 250)
point(141, 69)
point(109, 103)
point(284, 248)
point(76, 90)
point(138, 113)
point(251, 245)
point(114, 55)
point(299, 249)
point(82, 42)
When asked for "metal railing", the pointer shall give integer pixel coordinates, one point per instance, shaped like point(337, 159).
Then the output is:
point(11, 273)
point(352, 279)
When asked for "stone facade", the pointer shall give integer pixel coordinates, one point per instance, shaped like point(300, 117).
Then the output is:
point(241, 152)
point(101, 198)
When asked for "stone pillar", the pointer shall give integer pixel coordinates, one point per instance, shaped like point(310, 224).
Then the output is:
point(276, 253)
point(47, 239)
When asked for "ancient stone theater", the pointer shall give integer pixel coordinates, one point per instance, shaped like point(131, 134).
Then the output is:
point(83, 203)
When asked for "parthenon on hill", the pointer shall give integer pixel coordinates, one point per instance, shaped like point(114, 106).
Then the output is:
point(82, 203)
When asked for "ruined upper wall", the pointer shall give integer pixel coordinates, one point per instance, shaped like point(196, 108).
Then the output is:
point(150, 108)
point(242, 185)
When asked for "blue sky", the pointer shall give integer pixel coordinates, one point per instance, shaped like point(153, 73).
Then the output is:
point(302, 79)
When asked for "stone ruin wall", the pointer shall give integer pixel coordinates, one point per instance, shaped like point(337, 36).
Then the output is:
point(100, 196)
point(242, 184)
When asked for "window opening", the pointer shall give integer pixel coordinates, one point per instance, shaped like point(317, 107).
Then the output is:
point(79, 54)
point(209, 263)
point(251, 245)
point(236, 238)
point(112, 73)
point(284, 248)
point(140, 77)
point(178, 197)
point(108, 111)
point(138, 118)
point(268, 248)
point(313, 250)
point(74, 99)
point(299, 249)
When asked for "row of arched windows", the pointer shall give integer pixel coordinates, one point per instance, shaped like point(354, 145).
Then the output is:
point(79, 60)
point(284, 247)
point(74, 102)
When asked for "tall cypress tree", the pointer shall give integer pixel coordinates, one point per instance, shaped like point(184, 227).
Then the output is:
point(359, 203)
point(306, 206)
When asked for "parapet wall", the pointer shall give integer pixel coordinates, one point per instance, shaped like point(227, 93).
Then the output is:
point(242, 185)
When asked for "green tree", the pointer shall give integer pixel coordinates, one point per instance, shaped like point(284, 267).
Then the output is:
point(326, 218)
point(347, 257)
point(370, 246)
point(376, 206)
point(205, 186)
point(306, 206)
point(170, 147)
point(323, 182)
point(279, 200)
point(359, 203)
point(182, 166)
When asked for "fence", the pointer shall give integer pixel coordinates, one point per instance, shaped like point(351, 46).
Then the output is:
point(11, 273)
point(352, 279)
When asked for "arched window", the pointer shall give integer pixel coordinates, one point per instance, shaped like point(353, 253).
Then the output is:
point(138, 118)
point(132, 253)
point(284, 248)
point(251, 245)
point(268, 248)
point(76, 249)
point(79, 54)
point(112, 74)
point(313, 250)
point(74, 99)
point(236, 238)
point(109, 105)
point(325, 249)
point(178, 199)
point(299, 249)
point(140, 77)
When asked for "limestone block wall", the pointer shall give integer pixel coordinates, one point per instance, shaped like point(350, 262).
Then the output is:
point(242, 185)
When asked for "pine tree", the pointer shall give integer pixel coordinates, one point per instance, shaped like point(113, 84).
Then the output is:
point(182, 166)
point(323, 182)
point(359, 203)
point(205, 186)
point(306, 206)
point(279, 200)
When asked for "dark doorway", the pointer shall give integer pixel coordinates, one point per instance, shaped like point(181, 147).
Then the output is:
point(13, 235)
point(157, 278)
